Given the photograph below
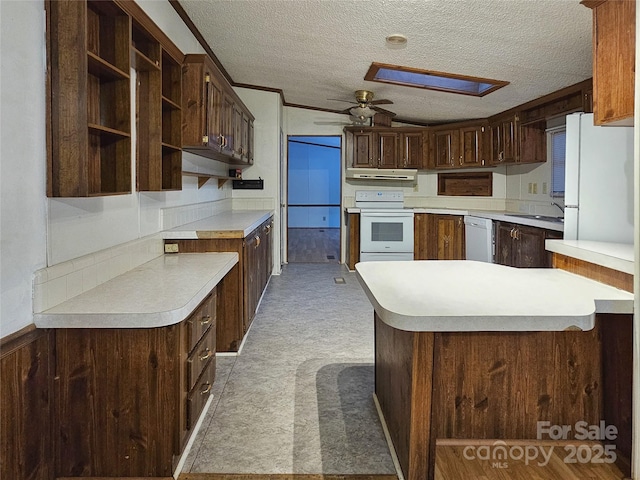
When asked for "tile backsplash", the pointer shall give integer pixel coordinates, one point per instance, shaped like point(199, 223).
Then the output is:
point(175, 216)
point(58, 283)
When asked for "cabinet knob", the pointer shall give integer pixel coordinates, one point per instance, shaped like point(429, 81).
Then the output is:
point(257, 241)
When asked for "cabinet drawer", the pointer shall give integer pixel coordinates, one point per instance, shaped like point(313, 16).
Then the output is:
point(204, 352)
point(200, 320)
point(198, 397)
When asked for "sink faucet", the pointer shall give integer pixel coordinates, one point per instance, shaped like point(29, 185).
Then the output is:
point(559, 206)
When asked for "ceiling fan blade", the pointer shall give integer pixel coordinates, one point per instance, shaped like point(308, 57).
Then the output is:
point(346, 110)
point(382, 101)
point(383, 111)
point(341, 100)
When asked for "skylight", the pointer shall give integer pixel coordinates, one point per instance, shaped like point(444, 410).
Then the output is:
point(444, 82)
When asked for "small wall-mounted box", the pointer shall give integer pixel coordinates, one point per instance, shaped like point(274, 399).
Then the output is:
point(248, 184)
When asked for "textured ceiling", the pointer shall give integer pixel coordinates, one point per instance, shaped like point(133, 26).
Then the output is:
point(314, 50)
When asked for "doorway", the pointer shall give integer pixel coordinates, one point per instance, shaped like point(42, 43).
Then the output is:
point(313, 199)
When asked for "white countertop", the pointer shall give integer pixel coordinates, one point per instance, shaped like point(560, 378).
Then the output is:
point(158, 293)
point(617, 256)
point(455, 296)
point(230, 224)
point(512, 217)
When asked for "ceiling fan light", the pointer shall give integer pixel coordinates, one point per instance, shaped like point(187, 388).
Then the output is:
point(362, 113)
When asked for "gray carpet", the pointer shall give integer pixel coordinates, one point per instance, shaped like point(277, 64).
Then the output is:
point(299, 397)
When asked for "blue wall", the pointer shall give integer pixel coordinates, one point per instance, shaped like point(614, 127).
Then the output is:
point(314, 179)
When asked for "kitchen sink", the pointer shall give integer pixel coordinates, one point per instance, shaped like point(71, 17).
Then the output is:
point(544, 218)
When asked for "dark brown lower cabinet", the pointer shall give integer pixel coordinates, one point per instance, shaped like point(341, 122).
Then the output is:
point(127, 399)
point(522, 246)
point(242, 288)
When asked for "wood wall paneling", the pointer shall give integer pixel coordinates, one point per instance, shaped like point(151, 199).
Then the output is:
point(26, 406)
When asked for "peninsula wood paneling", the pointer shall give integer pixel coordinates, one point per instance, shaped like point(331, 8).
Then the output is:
point(621, 280)
point(403, 389)
point(26, 406)
point(617, 380)
point(499, 385)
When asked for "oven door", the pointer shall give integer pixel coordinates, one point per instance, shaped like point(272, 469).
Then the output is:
point(386, 232)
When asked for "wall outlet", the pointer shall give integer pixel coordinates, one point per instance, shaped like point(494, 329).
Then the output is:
point(535, 188)
point(544, 188)
point(170, 248)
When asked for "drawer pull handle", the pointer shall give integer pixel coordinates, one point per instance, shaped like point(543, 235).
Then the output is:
point(205, 355)
point(207, 389)
point(257, 242)
point(206, 319)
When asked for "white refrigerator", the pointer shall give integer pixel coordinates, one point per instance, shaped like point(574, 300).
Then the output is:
point(598, 181)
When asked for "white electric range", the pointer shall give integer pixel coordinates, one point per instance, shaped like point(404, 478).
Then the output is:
point(386, 227)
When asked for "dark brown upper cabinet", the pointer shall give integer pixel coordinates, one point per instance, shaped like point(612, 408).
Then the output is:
point(90, 100)
point(614, 41)
point(460, 145)
point(157, 62)
point(385, 147)
point(215, 122)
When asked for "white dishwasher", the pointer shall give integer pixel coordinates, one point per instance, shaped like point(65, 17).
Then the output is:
point(479, 243)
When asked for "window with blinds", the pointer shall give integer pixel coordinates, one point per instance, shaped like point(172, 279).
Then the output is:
point(557, 147)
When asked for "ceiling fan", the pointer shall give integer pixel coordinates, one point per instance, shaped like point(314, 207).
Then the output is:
point(366, 107)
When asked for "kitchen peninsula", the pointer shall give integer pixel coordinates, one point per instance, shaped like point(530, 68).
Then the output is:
point(471, 350)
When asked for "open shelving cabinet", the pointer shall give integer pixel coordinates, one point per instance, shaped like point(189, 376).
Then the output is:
point(90, 99)
point(158, 113)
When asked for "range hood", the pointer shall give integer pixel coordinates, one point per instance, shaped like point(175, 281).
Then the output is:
point(381, 174)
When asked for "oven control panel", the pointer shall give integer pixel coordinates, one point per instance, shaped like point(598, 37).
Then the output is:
point(380, 196)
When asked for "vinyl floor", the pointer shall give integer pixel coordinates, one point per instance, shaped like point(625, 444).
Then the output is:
point(314, 245)
point(299, 397)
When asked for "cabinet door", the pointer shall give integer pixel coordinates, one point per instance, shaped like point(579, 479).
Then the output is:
point(214, 112)
point(227, 124)
point(528, 245)
point(504, 140)
point(363, 150)
point(388, 145)
point(244, 138)
point(236, 143)
point(504, 240)
point(471, 146)
point(450, 237)
point(533, 142)
point(614, 62)
point(250, 143)
point(412, 150)
point(251, 277)
point(444, 148)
